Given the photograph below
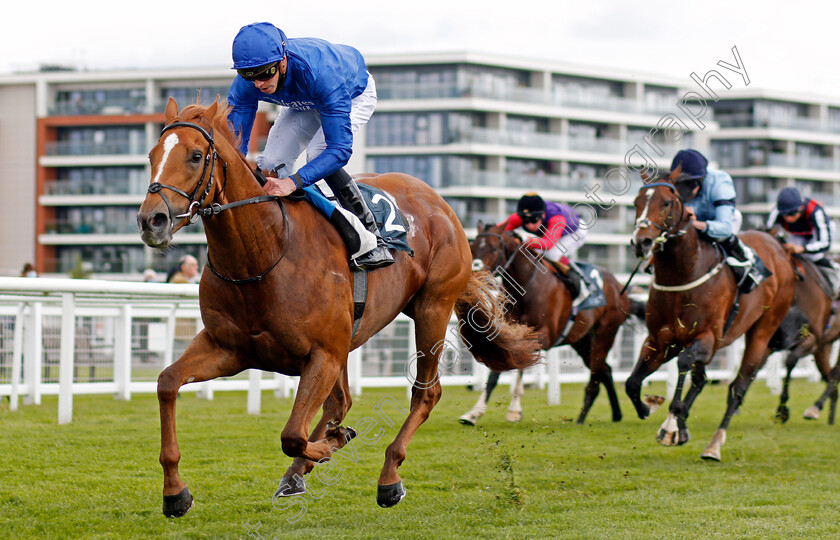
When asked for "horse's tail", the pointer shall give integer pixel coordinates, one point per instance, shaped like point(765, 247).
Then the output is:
point(492, 338)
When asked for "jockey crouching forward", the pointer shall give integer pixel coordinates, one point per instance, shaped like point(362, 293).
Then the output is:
point(558, 237)
point(327, 95)
point(709, 196)
point(810, 231)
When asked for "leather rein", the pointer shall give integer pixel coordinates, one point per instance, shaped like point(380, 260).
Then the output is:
point(197, 209)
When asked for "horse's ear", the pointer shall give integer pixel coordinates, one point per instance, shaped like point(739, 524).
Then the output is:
point(479, 226)
point(212, 109)
point(171, 109)
point(645, 176)
point(676, 172)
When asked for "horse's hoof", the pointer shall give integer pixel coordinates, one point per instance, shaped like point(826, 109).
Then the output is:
point(468, 419)
point(666, 438)
point(390, 495)
point(711, 454)
point(617, 417)
point(811, 413)
point(684, 436)
point(782, 414)
point(175, 506)
point(653, 403)
point(290, 486)
point(513, 416)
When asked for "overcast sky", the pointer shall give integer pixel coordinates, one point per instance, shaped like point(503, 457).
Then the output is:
point(783, 45)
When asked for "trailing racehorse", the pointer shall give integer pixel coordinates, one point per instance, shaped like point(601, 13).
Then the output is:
point(542, 301)
point(817, 327)
point(277, 295)
point(688, 309)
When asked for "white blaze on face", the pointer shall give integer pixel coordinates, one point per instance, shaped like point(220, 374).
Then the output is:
point(643, 217)
point(168, 145)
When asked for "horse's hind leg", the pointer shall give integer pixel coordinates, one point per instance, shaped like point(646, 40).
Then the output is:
point(471, 417)
point(755, 355)
point(822, 360)
point(317, 381)
point(335, 409)
point(514, 413)
point(830, 392)
point(202, 361)
point(431, 317)
point(651, 357)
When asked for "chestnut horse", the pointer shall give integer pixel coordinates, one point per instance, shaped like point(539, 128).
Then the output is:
point(540, 300)
point(816, 328)
point(277, 295)
point(691, 298)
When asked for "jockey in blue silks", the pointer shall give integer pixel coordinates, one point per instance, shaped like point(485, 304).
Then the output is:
point(709, 196)
point(327, 95)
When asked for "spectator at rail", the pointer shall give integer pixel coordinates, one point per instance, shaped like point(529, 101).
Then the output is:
point(149, 276)
point(557, 235)
point(28, 271)
point(326, 95)
point(187, 271)
point(810, 231)
point(709, 196)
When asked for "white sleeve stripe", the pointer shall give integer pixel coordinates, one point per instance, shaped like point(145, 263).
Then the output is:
point(822, 238)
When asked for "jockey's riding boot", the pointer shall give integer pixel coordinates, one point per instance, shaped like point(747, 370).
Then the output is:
point(742, 261)
point(576, 274)
point(831, 271)
point(352, 200)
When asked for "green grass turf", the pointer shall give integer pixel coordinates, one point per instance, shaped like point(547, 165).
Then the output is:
point(99, 477)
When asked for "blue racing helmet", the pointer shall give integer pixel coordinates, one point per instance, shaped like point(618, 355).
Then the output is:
point(693, 164)
point(258, 45)
point(789, 201)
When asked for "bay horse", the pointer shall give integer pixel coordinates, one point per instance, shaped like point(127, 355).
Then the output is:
point(542, 301)
point(817, 328)
point(691, 297)
point(276, 294)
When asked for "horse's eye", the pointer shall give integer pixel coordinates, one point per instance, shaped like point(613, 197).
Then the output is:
point(667, 204)
point(196, 157)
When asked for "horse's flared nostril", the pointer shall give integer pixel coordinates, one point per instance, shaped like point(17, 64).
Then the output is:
point(642, 248)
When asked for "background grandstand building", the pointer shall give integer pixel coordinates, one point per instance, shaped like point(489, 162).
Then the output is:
point(480, 129)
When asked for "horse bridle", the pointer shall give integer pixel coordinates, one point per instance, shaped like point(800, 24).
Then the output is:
point(197, 208)
point(210, 159)
point(666, 232)
point(508, 261)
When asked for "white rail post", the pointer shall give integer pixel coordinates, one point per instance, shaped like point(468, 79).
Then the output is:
point(672, 372)
point(553, 357)
point(354, 371)
point(254, 391)
point(17, 358)
point(774, 373)
point(33, 354)
point(170, 338)
point(122, 353)
point(66, 357)
point(205, 391)
point(410, 378)
point(283, 385)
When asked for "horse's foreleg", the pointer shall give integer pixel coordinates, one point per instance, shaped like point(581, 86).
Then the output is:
point(821, 359)
point(514, 413)
point(594, 352)
point(651, 357)
point(202, 361)
point(674, 430)
point(471, 417)
point(813, 412)
point(335, 409)
point(430, 330)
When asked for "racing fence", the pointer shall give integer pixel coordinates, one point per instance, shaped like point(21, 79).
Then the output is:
point(76, 337)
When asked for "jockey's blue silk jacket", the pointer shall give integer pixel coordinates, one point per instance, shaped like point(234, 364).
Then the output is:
point(320, 76)
point(715, 204)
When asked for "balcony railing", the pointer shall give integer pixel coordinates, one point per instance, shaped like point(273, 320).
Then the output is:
point(109, 147)
point(555, 97)
point(802, 162)
point(111, 107)
point(99, 186)
point(97, 227)
point(791, 122)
